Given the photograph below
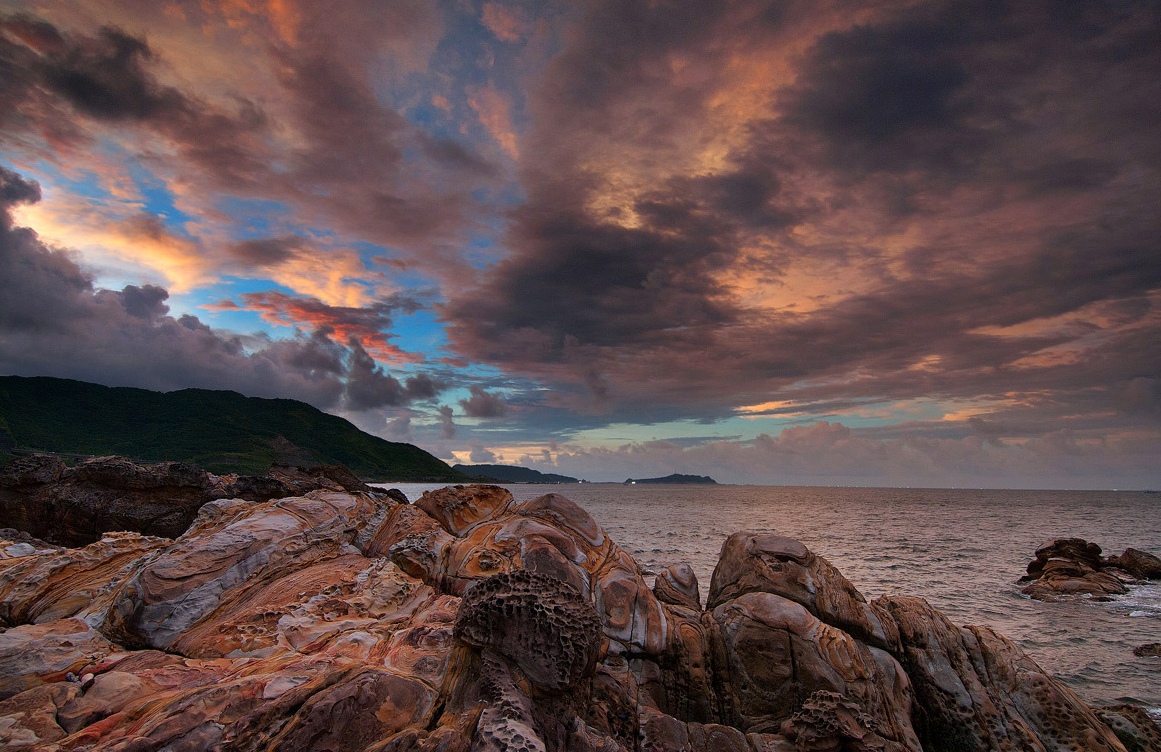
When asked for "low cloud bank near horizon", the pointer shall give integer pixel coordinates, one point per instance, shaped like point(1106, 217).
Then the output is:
point(832, 454)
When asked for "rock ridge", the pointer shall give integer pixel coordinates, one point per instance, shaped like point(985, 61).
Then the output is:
point(348, 619)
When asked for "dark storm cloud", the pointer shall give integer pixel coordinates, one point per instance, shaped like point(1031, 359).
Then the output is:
point(104, 77)
point(484, 405)
point(261, 252)
point(54, 321)
point(369, 387)
point(1019, 144)
point(145, 302)
point(350, 160)
point(107, 77)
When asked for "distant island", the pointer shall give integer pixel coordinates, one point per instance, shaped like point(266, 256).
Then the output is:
point(675, 478)
point(511, 474)
point(221, 431)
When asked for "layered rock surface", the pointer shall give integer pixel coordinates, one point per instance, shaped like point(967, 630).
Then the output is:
point(73, 506)
point(1072, 567)
point(346, 620)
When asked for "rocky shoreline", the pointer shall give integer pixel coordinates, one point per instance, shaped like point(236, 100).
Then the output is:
point(1073, 567)
point(348, 619)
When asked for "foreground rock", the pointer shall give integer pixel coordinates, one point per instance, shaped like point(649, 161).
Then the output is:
point(73, 506)
point(1074, 567)
point(469, 622)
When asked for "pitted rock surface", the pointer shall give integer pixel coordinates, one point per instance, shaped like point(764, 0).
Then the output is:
point(540, 623)
point(330, 621)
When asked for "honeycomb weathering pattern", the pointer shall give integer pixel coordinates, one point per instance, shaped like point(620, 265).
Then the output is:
point(544, 625)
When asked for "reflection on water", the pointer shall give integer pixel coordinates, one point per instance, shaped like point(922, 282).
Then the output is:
point(960, 549)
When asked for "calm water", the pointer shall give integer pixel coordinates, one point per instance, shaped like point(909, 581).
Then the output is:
point(960, 549)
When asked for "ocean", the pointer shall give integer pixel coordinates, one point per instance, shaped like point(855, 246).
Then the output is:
point(961, 549)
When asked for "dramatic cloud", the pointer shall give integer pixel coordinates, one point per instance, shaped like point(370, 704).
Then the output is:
point(447, 426)
point(368, 325)
point(918, 213)
point(484, 405)
point(767, 236)
point(54, 321)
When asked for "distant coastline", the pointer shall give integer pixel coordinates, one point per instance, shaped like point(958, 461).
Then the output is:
point(675, 478)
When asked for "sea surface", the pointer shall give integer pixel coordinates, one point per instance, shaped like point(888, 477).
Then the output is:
point(962, 550)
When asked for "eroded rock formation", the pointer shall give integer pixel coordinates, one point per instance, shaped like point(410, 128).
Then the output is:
point(1071, 567)
point(73, 506)
point(469, 622)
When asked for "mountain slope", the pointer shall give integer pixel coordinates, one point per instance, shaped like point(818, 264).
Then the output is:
point(218, 430)
point(512, 474)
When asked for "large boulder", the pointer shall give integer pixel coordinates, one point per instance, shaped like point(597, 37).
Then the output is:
point(1074, 567)
point(975, 690)
point(766, 563)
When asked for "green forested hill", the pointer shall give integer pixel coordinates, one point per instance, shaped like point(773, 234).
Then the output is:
point(217, 430)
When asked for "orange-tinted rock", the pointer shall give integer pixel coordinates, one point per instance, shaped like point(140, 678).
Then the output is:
point(1141, 564)
point(34, 654)
point(334, 621)
point(1070, 567)
point(227, 554)
point(777, 654)
point(1133, 726)
point(29, 720)
point(458, 508)
point(757, 562)
point(677, 585)
point(69, 582)
point(414, 541)
point(543, 625)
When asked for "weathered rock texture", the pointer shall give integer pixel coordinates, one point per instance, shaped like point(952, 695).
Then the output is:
point(1072, 567)
point(73, 506)
point(468, 622)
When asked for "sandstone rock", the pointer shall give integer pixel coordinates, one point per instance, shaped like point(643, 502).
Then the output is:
point(1069, 567)
point(977, 691)
point(59, 583)
point(753, 562)
point(75, 506)
point(1072, 549)
point(543, 625)
point(458, 508)
point(777, 655)
point(35, 654)
point(1138, 563)
point(225, 556)
point(677, 585)
point(479, 532)
point(333, 620)
point(15, 544)
point(29, 720)
point(31, 470)
point(1133, 725)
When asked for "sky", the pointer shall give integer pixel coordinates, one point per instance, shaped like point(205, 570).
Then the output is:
point(813, 242)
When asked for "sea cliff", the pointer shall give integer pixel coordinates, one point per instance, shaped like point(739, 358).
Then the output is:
point(347, 620)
